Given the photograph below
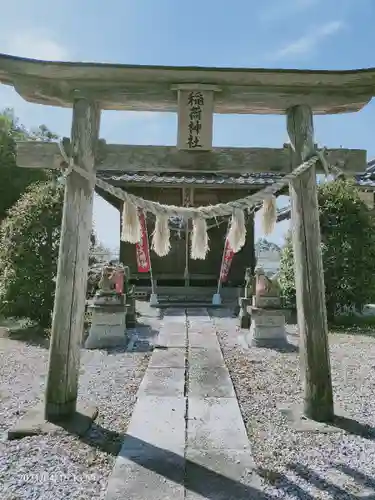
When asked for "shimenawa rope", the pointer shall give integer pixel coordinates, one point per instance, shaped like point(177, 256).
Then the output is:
point(237, 230)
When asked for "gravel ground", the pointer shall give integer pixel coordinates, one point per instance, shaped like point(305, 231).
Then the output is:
point(306, 465)
point(62, 466)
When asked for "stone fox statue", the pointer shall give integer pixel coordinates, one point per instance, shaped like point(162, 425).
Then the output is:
point(265, 286)
point(107, 283)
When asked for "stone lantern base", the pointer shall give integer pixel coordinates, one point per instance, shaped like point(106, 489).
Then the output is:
point(108, 325)
point(267, 328)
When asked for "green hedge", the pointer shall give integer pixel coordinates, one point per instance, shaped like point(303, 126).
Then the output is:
point(29, 244)
point(348, 250)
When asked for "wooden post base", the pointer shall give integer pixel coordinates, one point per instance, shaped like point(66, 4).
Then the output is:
point(33, 423)
point(300, 422)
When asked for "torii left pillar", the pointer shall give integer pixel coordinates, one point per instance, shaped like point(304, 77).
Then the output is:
point(60, 404)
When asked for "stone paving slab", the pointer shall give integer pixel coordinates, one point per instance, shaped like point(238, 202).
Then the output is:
point(163, 382)
point(234, 464)
point(203, 341)
point(174, 320)
point(205, 357)
point(220, 475)
point(204, 322)
point(212, 487)
point(173, 357)
point(173, 330)
point(165, 456)
point(216, 424)
point(203, 329)
point(173, 324)
point(175, 312)
point(172, 340)
point(200, 324)
point(197, 312)
point(210, 382)
point(149, 474)
point(157, 421)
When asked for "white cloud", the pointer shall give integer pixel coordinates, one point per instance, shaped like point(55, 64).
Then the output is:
point(307, 43)
point(33, 44)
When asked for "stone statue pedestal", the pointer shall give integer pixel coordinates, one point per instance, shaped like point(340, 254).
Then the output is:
point(108, 325)
point(245, 318)
point(267, 327)
point(266, 302)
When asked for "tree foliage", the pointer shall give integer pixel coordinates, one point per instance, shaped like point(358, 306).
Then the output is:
point(14, 181)
point(348, 249)
point(29, 243)
point(30, 226)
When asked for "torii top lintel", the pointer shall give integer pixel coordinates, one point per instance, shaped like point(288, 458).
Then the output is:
point(153, 88)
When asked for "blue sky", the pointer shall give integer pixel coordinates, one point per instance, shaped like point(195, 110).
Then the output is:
point(303, 34)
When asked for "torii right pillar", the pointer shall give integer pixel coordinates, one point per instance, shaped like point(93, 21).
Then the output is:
point(309, 278)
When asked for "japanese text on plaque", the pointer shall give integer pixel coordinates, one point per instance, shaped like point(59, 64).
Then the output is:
point(195, 103)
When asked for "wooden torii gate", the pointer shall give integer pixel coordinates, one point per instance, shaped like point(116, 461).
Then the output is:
point(88, 89)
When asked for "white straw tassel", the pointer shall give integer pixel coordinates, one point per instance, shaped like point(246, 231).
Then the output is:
point(237, 230)
point(161, 235)
point(269, 215)
point(199, 239)
point(131, 227)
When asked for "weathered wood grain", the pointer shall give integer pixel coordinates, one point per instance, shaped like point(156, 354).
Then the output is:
point(309, 279)
point(162, 159)
point(69, 308)
point(153, 88)
point(160, 98)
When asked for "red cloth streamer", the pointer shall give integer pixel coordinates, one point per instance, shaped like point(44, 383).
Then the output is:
point(226, 262)
point(142, 249)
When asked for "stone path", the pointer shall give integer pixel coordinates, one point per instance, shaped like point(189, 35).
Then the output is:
point(186, 438)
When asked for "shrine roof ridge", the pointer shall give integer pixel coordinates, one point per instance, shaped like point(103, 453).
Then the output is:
point(365, 180)
point(261, 179)
point(153, 88)
point(225, 69)
point(175, 179)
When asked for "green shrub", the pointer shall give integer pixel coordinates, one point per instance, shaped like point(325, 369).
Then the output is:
point(346, 321)
point(13, 180)
point(29, 244)
point(348, 250)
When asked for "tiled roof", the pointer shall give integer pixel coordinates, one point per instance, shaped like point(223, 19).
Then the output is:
point(283, 213)
point(365, 179)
